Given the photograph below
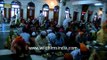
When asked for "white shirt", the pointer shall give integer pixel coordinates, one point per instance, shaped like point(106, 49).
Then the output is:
point(41, 18)
point(25, 36)
point(75, 53)
point(40, 42)
point(51, 36)
point(65, 22)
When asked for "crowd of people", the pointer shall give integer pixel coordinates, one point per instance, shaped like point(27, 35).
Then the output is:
point(36, 33)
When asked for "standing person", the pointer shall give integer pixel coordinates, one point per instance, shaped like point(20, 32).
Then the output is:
point(66, 23)
point(2, 21)
point(2, 17)
point(17, 18)
point(41, 18)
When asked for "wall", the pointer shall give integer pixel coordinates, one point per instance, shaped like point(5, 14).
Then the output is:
point(72, 8)
point(95, 10)
point(39, 4)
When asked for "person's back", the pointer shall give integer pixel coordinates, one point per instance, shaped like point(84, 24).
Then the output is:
point(19, 46)
point(59, 41)
point(65, 23)
point(41, 40)
point(41, 18)
point(25, 36)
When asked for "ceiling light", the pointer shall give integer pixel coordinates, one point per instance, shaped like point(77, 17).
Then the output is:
point(98, 4)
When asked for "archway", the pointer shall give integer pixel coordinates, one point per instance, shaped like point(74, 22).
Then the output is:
point(56, 13)
point(15, 9)
point(45, 10)
point(2, 7)
point(30, 10)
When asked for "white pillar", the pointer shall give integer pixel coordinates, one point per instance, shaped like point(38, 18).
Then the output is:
point(79, 14)
point(86, 16)
point(7, 12)
point(24, 7)
point(104, 17)
point(60, 12)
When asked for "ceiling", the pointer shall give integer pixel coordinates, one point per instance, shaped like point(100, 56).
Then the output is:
point(73, 2)
point(78, 2)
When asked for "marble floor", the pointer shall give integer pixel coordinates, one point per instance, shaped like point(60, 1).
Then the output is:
point(4, 32)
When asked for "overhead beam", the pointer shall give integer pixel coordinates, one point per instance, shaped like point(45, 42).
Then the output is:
point(84, 2)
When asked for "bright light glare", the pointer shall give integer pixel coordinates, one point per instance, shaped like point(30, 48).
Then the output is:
point(1, 5)
point(15, 6)
point(66, 11)
point(45, 9)
point(98, 4)
point(45, 13)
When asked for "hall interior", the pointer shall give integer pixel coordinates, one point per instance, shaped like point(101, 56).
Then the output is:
point(61, 23)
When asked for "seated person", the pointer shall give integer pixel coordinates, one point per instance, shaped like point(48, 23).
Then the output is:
point(32, 39)
point(25, 35)
point(41, 40)
point(102, 34)
point(19, 47)
point(70, 39)
point(51, 37)
point(59, 41)
point(76, 54)
point(102, 41)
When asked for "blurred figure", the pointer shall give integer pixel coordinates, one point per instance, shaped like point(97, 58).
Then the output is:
point(68, 56)
point(59, 41)
point(1, 17)
point(101, 41)
point(41, 40)
point(19, 47)
point(76, 54)
point(51, 37)
point(41, 18)
point(102, 34)
point(66, 23)
point(25, 35)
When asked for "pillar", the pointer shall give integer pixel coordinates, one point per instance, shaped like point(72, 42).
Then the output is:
point(7, 10)
point(79, 14)
point(60, 12)
point(86, 16)
point(24, 7)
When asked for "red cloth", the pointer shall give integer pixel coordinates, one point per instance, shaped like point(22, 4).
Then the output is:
point(83, 48)
point(68, 56)
point(19, 40)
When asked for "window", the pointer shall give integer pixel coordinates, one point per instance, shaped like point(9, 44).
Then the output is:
point(45, 9)
point(31, 10)
point(15, 10)
point(2, 7)
point(56, 13)
point(67, 12)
